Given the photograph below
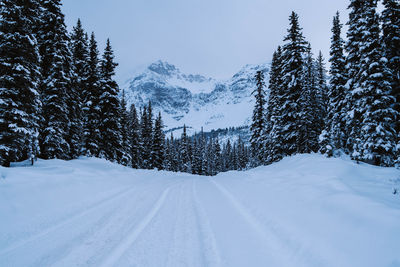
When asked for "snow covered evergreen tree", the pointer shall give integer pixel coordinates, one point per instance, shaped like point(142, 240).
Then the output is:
point(335, 128)
point(322, 91)
point(19, 74)
point(292, 88)
point(134, 137)
point(258, 125)
point(158, 144)
point(124, 156)
point(376, 142)
point(391, 50)
point(55, 86)
point(80, 58)
point(146, 136)
point(91, 97)
point(109, 105)
point(217, 157)
point(275, 100)
point(184, 148)
point(197, 157)
point(309, 122)
point(353, 59)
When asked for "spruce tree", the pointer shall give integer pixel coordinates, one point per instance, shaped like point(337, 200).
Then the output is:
point(168, 157)
point(322, 92)
point(91, 97)
point(80, 58)
point(335, 128)
point(376, 142)
point(391, 49)
point(124, 156)
point(202, 145)
point(275, 100)
point(109, 105)
point(172, 155)
point(292, 88)
point(217, 157)
point(146, 137)
point(56, 88)
point(309, 127)
point(353, 59)
point(134, 137)
point(19, 73)
point(158, 144)
point(258, 126)
point(184, 152)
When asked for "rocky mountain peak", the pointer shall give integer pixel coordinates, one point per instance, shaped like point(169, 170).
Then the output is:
point(193, 99)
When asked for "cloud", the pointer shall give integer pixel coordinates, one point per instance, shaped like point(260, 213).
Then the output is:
point(211, 37)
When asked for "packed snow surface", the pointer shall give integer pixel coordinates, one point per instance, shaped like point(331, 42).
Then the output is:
point(304, 211)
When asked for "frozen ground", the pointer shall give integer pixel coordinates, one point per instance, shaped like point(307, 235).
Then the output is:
point(303, 211)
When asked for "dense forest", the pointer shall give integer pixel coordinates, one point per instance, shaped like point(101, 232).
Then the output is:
point(59, 98)
point(356, 113)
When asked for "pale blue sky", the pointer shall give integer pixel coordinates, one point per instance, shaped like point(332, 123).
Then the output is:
point(210, 37)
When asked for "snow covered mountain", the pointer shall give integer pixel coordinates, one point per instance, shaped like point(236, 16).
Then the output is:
point(195, 100)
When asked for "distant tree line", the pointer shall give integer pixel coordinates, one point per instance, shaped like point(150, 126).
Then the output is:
point(197, 154)
point(357, 113)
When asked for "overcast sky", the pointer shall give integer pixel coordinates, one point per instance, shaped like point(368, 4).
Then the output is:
point(210, 37)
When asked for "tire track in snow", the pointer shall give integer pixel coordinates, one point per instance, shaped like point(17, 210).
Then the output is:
point(210, 247)
point(118, 252)
point(77, 216)
point(272, 233)
point(173, 251)
point(98, 233)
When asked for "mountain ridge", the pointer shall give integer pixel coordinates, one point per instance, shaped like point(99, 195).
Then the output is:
point(193, 99)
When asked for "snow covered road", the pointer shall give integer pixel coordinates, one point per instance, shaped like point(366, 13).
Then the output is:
point(303, 211)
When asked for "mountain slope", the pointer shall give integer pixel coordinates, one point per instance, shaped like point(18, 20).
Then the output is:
point(195, 100)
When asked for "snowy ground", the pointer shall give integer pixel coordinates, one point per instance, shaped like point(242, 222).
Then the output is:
point(303, 211)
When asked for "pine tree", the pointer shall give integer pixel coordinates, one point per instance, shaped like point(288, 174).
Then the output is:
point(218, 157)
point(292, 88)
point(134, 137)
point(335, 128)
point(353, 59)
point(242, 157)
point(197, 160)
point(172, 155)
point(202, 148)
point(376, 142)
point(91, 97)
point(109, 105)
point(146, 137)
point(322, 92)
point(80, 58)
point(55, 86)
point(309, 122)
point(125, 154)
point(19, 73)
point(168, 157)
point(391, 51)
point(258, 125)
point(158, 144)
point(184, 152)
point(209, 154)
point(275, 100)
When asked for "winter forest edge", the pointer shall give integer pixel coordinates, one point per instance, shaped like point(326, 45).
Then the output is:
point(58, 97)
